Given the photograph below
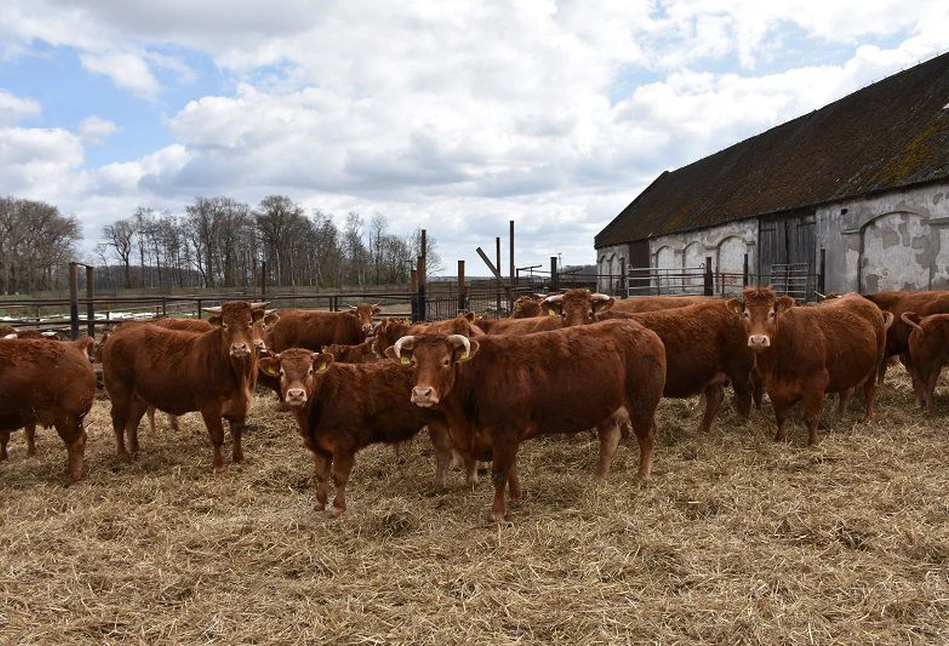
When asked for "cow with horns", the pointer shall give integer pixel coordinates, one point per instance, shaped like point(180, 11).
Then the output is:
point(179, 371)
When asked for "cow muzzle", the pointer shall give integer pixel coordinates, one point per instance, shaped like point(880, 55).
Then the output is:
point(295, 396)
point(240, 350)
point(424, 396)
point(756, 341)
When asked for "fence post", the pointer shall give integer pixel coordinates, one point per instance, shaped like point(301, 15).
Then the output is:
point(822, 270)
point(744, 273)
point(414, 298)
point(263, 280)
point(709, 280)
point(462, 294)
point(90, 307)
point(199, 308)
point(73, 301)
point(422, 305)
point(554, 278)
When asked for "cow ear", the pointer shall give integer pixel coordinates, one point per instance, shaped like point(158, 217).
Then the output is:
point(784, 303)
point(603, 305)
point(390, 353)
point(734, 305)
point(270, 319)
point(466, 355)
point(215, 320)
point(269, 365)
point(470, 316)
point(324, 360)
point(376, 309)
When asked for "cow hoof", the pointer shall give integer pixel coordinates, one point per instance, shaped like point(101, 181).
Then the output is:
point(336, 512)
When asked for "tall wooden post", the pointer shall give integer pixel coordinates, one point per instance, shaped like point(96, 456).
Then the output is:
point(263, 280)
point(73, 301)
point(462, 292)
point(744, 273)
point(90, 307)
point(554, 278)
point(709, 281)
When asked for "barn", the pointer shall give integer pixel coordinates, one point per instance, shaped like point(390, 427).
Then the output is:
point(853, 196)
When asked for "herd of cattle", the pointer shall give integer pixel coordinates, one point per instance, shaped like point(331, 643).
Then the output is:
point(561, 364)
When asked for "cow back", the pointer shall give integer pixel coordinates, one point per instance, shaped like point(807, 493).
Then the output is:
point(312, 329)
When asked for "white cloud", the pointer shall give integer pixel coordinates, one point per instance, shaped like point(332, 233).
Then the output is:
point(94, 130)
point(14, 109)
point(38, 162)
point(127, 70)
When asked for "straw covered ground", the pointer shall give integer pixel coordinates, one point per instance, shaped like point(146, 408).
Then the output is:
point(736, 540)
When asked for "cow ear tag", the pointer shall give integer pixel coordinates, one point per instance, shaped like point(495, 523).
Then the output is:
point(463, 356)
point(405, 360)
point(551, 313)
point(271, 370)
point(322, 366)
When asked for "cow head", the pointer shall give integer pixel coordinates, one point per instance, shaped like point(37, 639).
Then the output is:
point(236, 321)
point(760, 309)
point(386, 332)
point(577, 306)
point(435, 358)
point(526, 307)
point(363, 314)
point(297, 370)
point(262, 330)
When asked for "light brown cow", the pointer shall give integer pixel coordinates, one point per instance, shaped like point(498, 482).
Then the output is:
point(578, 306)
point(497, 391)
point(342, 408)
point(929, 352)
point(804, 352)
point(653, 303)
point(922, 303)
point(359, 353)
point(526, 307)
point(312, 329)
point(391, 330)
point(177, 372)
point(46, 383)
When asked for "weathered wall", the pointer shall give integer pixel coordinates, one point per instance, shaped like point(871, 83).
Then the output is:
point(611, 261)
point(899, 240)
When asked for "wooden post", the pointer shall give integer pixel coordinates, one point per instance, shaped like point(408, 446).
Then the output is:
point(199, 308)
point(73, 301)
point(513, 271)
point(462, 293)
point(744, 273)
point(554, 278)
point(414, 297)
point(90, 307)
point(422, 305)
point(263, 280)
point(821, 283)
point(709, 280)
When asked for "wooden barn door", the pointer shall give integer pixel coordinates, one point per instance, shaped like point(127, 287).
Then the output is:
point(639, 261)
point(787, 253)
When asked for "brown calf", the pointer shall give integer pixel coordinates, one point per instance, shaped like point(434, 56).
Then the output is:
point(312, 329)
point(497, 391)
point(653, 303)
point(177, 372)
point(359, 353)
point(342, 408)
point(922, 303)
point(929, 352)
point(46, 383)
point(526, 307)
point(803, 352)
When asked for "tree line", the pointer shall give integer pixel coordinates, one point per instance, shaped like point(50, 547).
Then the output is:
point(36, 245)
point(220, 242)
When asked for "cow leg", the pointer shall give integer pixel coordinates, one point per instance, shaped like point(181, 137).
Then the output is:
point(843, 401)
point(514, 485)
point(342, 466)
point(321, 469)
point(743, 397)
point(757, 388)
point(73, 435)
point(441, 440)
point(237, 430)
point(150, 412)
point(138, 410)
point(120, 415)
point(212, 420)
point(610, 435)
point(869, 398)
point(173, 422)
point(30, 438)
point(929, 388)
point(813, 398)
point(781, 409)
point(714, 394)
point(4, 440)
point(505, 459)
point(644, 426)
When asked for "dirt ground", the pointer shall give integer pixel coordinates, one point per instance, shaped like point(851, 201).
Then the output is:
point(735, 540)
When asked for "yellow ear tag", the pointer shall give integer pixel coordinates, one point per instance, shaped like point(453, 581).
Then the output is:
point(322, 366)
point(405, 360)
point(551, 313)
point(272, 371)
point(463, 356)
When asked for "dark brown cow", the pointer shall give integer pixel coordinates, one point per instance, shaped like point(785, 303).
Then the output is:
point(359, 353)
point(7, 330)
point(342, 408)
point(922, 303)
point(706, 347)
point(178, 371)
point(578, 306)
point(517, 327)
point(391, 330)
point(803, 352)
point(928, 351)
point(653, 303)
point(312, 329)
point(46, 383)
point(497, 391)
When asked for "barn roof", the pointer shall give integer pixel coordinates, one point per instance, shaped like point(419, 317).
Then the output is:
point(889, 135)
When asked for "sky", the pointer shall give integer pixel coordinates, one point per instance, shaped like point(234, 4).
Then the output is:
point(454, 116)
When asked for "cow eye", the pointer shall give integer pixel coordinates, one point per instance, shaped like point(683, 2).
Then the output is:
point(446, 362)
point(747, 314)
point(282, 373)
point(225, 326)
point(310, 371)
point(771, 314)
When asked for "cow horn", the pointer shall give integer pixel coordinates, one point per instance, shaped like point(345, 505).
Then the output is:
point(213, 310)
point(402, 341)
point(821, 296)
point(555, 298)
point(353, 307)
point(11, 336)
point(460, 339)
point(259, 306)
point(599, 297)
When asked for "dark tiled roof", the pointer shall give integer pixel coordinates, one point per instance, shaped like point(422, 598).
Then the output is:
point(889, 135)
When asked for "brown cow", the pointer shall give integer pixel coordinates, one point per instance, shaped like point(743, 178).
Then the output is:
point(526, 307)
point(178, 371)
point(578, 306)
point(312, 329)
point(922, 303)
point(46, 383)
point(706, 347)
point(342, 408)
point(497, 391)
point(509, 327)
point(359, 353)
point(803, 352)
point(391, 330)
point(7, 330)
point(653, 303)
point(929, 352)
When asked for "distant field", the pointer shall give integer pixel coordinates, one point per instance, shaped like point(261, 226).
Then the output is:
point(736, 540)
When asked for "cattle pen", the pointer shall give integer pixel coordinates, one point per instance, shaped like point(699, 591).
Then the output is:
point(736, 539)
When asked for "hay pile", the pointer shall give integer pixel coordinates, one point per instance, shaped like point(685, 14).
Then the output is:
point(736, 540)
